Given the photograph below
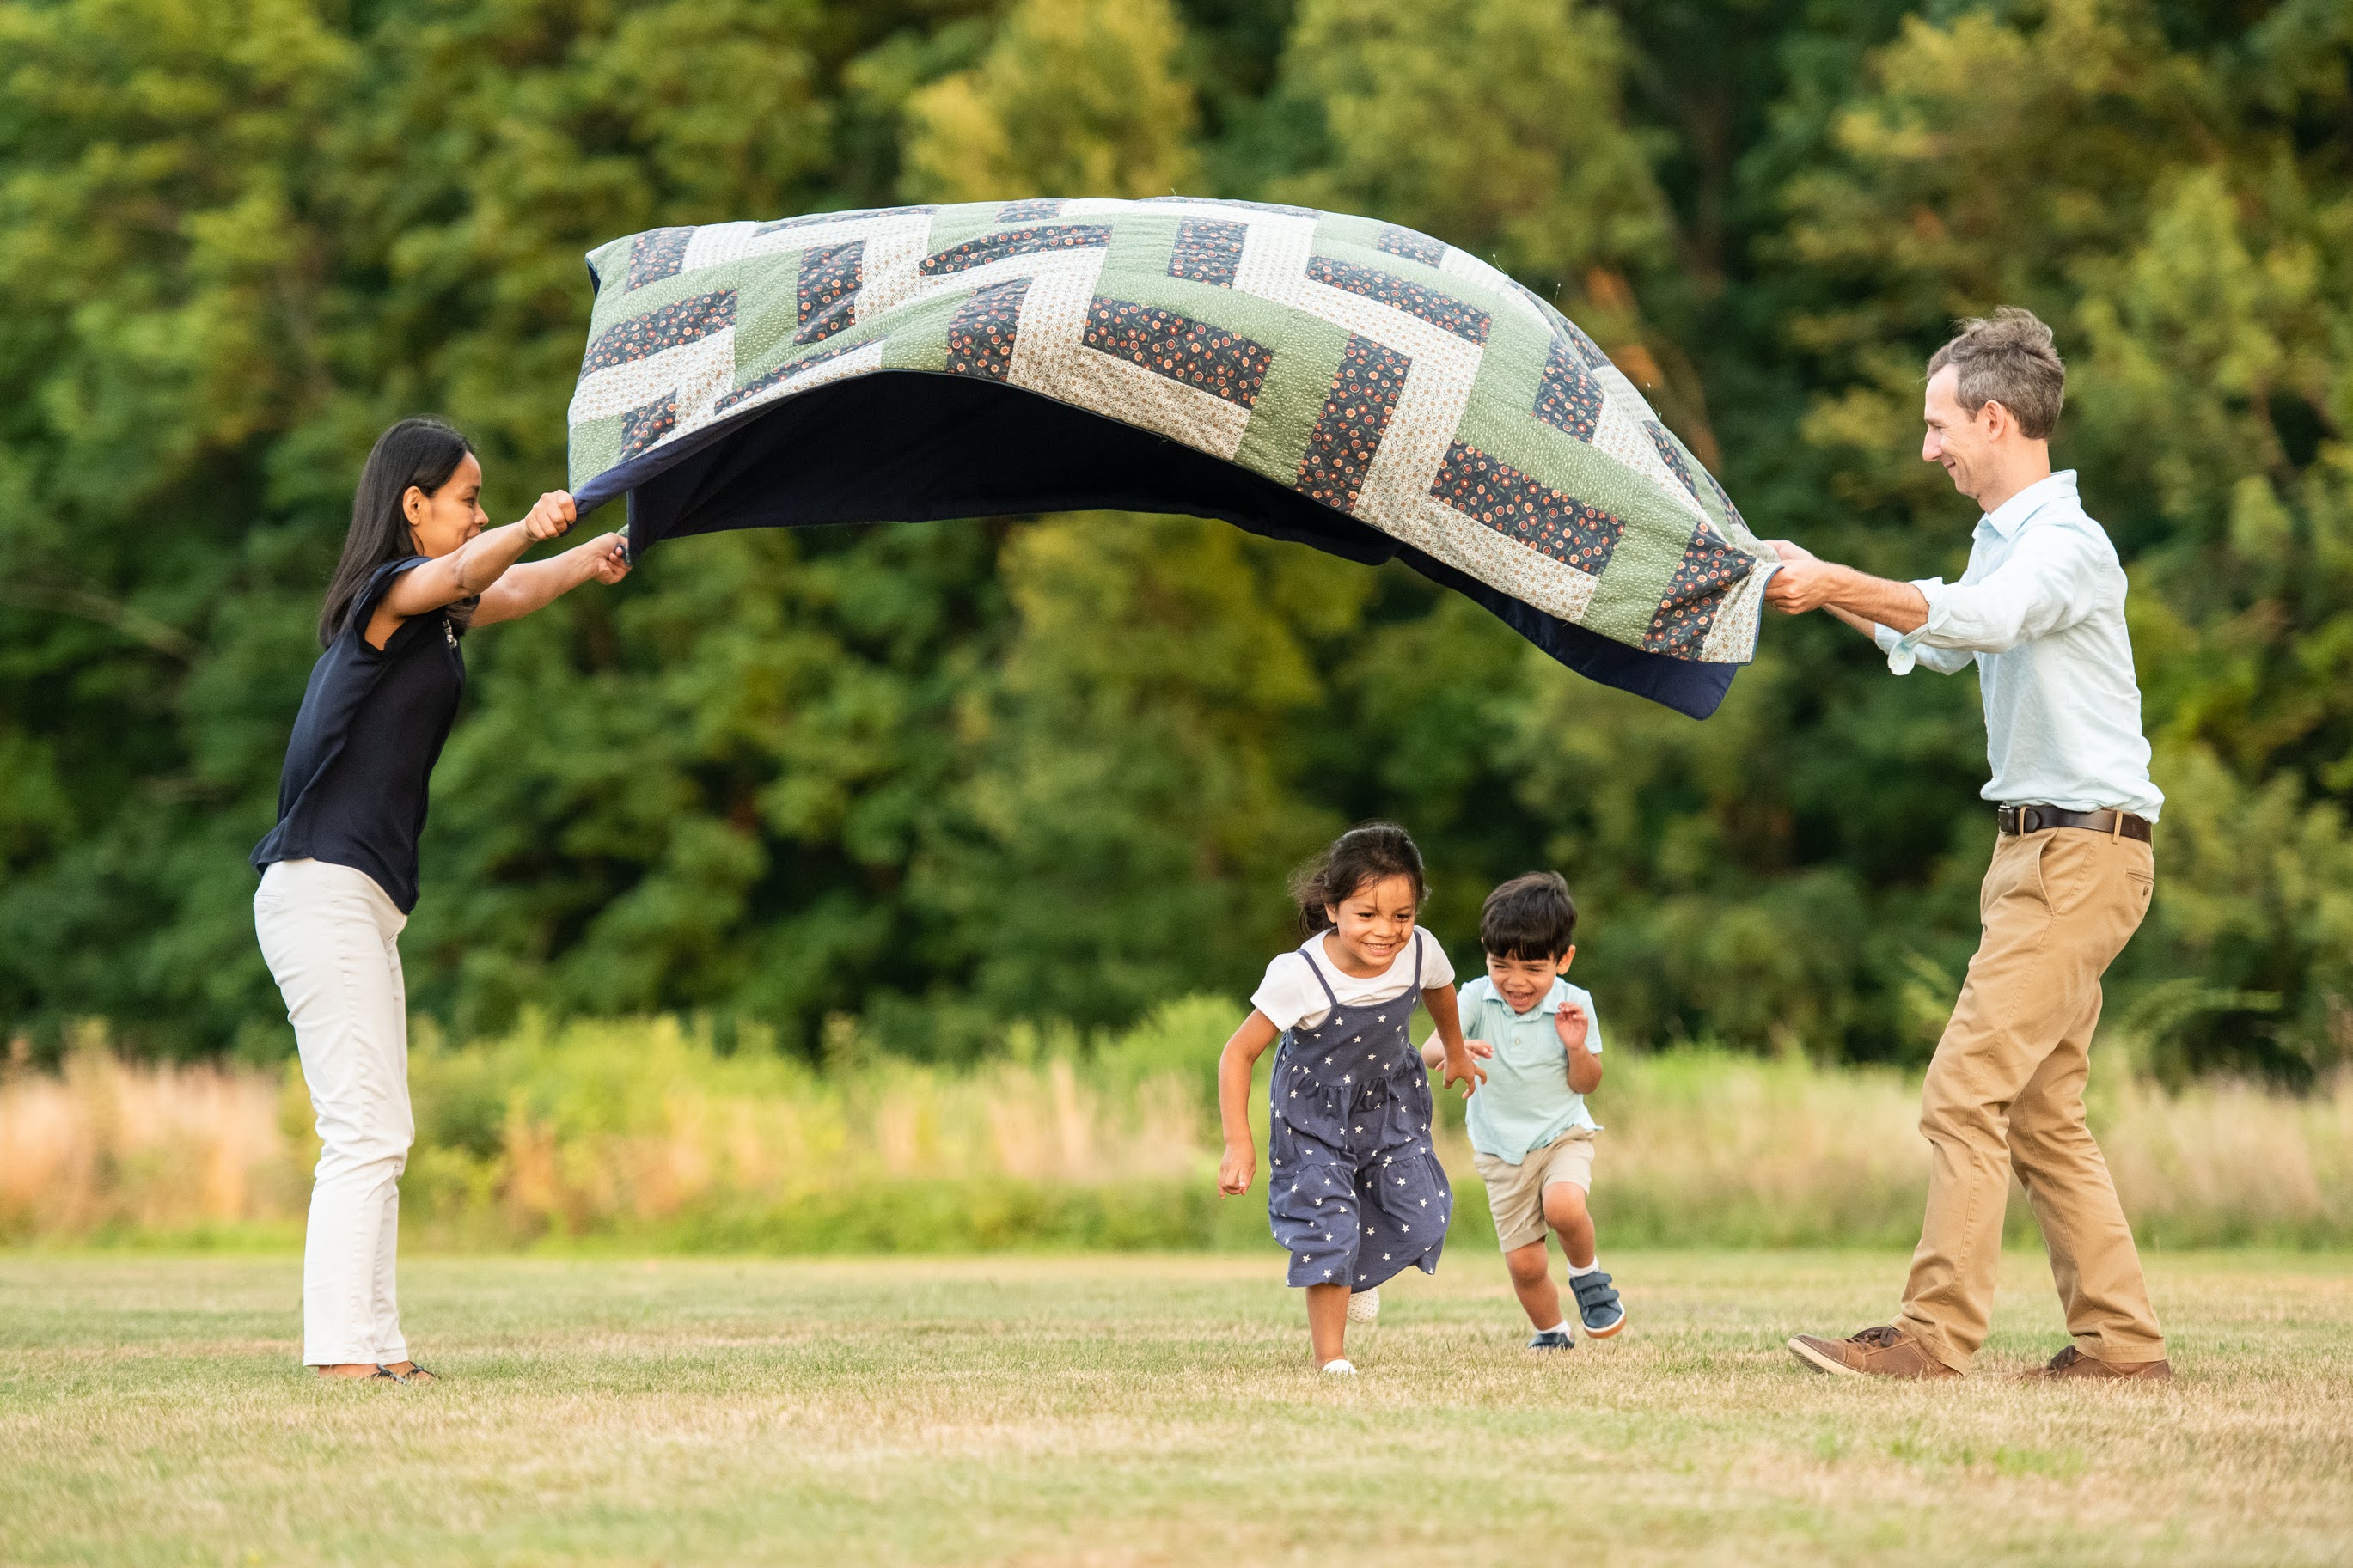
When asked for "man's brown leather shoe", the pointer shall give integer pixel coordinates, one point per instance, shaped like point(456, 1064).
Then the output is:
point(2073, 1362)
point(1883, 1351)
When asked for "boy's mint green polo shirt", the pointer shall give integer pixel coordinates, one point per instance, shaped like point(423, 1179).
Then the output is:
point(1525, 1102)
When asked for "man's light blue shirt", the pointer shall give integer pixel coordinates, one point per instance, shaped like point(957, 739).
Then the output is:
point(1525, 1102)
point(2040, 611)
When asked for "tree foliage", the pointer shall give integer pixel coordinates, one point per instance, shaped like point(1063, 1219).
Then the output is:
point(1072, 97)
point(947, 776)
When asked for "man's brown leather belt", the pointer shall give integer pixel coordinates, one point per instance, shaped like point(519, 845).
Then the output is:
point(2035, 818)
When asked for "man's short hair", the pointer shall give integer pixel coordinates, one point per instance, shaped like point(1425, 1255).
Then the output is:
point(2008, 359)
point(1529, 916)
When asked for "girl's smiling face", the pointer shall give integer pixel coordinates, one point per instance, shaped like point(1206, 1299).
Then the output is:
point(1371, 926)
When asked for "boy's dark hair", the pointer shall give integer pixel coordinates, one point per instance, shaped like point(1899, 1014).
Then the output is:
point(1529, 916)
point(1373, 852)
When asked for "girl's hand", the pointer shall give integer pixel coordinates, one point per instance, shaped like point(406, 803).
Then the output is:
point(609, 558)
point(1237, 1170)
point(1433, 1051)
point(1572, 1025)
point(551, 519)
point(1471, 1074)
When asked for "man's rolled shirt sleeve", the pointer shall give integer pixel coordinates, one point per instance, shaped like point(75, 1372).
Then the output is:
point(2046, 585)
point(1905, 651)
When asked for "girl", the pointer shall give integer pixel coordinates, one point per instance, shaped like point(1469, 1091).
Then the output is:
point(339, 872)
point(1355, 1190)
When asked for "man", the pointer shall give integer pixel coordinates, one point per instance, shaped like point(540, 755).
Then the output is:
point(2041, 612)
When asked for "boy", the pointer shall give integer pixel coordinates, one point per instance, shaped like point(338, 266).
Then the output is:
point(1531, 1136)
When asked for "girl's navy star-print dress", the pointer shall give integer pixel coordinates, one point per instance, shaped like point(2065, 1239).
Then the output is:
point(1355, 1190)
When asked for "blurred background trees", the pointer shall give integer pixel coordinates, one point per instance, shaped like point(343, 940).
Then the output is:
point(947, 777)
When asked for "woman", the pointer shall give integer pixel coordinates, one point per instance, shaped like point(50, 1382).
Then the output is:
point(339, 872)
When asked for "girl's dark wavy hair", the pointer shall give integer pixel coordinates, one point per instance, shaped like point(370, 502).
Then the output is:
point(1371, 853)
point(423, 452)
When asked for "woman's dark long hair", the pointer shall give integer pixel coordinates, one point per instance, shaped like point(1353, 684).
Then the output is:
point(1371, 853)
point(423, 452)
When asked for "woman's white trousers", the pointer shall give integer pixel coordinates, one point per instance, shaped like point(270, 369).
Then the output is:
point(331, 936)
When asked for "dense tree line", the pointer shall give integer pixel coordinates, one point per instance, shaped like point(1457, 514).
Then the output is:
point(942, 777)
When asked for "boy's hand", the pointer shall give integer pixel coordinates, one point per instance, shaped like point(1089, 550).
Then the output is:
point(1237, 1170)
point(1571, 1024)
point(1478, 1047)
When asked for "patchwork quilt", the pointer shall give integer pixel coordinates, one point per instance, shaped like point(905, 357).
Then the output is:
point(1314, 375)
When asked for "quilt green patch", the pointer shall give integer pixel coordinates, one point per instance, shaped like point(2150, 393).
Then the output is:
point(1370, 369)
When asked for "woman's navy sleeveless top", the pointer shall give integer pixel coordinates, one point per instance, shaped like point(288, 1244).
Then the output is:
point(372, 726)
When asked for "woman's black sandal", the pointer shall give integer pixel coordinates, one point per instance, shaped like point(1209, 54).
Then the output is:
point(412, 1375)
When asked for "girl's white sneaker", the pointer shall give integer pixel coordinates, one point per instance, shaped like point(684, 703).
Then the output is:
point(1340, 1366)
point(1365, 1306)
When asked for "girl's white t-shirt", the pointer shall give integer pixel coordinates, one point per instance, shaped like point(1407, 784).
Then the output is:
point(1290, 996)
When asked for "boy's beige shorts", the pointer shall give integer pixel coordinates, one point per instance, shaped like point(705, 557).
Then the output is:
point(1515, 1193)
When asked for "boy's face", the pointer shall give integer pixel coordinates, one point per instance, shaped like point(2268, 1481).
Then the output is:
point(1373, 924)
point(1521, 983)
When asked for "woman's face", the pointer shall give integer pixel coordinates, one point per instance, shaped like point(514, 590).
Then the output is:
point(451, 515)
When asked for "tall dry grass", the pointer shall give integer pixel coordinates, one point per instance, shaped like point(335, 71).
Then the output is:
point(1734, 1150)
point(107, 1148)
point(642, 1135)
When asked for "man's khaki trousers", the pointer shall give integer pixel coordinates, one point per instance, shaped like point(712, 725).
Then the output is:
point(2006, 1092)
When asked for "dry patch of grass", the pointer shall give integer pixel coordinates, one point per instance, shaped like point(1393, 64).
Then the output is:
point(1144, 1410)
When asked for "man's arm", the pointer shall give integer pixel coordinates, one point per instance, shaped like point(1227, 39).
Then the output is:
point(1796, 553)
point(1805, 582)
point(1942, 660)
point(2047, 584)
point(1868, 628)
point(2051, 580)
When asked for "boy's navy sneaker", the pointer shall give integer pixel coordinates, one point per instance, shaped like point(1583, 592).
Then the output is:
point(1553, 1339)
point(1598, 1306)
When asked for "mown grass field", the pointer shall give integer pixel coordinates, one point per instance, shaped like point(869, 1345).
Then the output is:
point(1144, 1410)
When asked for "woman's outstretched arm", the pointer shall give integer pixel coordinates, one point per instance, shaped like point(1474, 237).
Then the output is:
point(470, 569)
point(532, 584)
